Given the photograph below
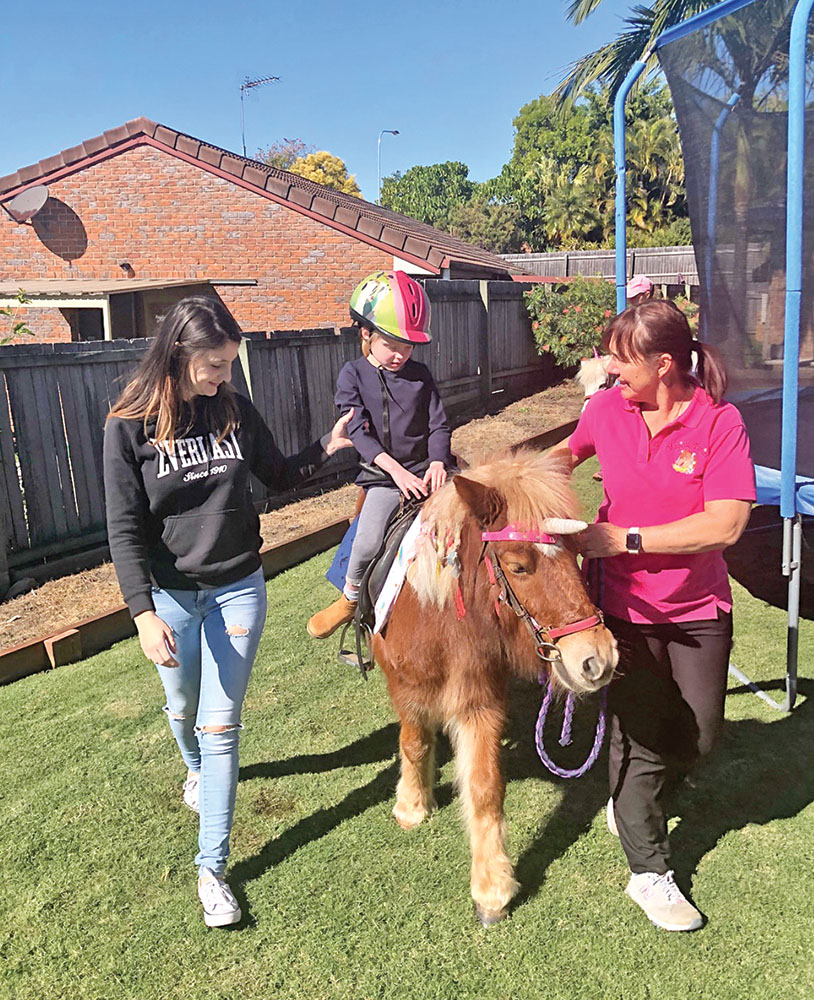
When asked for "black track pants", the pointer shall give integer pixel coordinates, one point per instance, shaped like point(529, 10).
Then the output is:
point(667, 708)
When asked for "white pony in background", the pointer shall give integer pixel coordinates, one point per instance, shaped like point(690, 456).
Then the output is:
point(593, 375)
point(593, 372)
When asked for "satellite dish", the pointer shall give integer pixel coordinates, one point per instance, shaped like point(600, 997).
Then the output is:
point(25, 205)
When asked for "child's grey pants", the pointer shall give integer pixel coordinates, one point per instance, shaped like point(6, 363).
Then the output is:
point(380, 503)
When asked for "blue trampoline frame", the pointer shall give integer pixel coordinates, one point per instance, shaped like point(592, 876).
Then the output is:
point(792, 522)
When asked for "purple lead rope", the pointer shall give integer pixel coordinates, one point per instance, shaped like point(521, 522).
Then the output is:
point(565, 736)
point(567, 721)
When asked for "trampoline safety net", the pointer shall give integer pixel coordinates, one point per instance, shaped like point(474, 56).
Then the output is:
point(729, 81)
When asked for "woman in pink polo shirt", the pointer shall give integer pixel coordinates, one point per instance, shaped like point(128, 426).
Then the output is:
point(679, 484)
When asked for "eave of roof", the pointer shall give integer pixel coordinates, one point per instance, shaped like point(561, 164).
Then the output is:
point(76, 287)
point(423, 245)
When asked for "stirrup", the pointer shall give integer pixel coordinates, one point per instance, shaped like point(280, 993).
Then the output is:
point(357, 655)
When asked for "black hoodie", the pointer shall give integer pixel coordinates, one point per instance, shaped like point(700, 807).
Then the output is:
point(182, 518)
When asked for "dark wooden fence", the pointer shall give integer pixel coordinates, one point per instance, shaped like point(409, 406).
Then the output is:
point(664, 265)
point(54, 399)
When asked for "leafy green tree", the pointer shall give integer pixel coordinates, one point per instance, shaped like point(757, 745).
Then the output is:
point(570, 214)
point(547, 145)
point(561, 174)
point(429, 194)
point(324, 168)
point(655, 175)
point(494, 226)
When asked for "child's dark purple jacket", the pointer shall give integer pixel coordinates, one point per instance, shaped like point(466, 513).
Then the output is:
point(419, 432)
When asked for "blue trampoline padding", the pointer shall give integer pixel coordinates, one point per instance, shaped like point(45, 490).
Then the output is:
point(768, 489)
point(339, 567)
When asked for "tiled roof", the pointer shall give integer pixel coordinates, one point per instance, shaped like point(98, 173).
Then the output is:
point(405, 237)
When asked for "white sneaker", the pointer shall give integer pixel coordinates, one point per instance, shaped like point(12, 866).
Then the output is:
point(192, 791)
point(663, 901)
point(610, 818)
point(219, 904)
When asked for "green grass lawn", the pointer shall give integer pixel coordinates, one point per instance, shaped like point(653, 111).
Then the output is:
point(97, 894)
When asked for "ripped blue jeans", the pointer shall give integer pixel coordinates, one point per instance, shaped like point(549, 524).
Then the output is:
point(216, 634)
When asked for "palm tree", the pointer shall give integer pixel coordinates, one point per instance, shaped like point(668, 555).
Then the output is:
point(569, 211)
point(654, 154)
point(655, 175)
point(742, 61)
point(610, 63)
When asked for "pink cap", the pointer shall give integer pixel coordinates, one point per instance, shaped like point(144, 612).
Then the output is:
point(641, 283)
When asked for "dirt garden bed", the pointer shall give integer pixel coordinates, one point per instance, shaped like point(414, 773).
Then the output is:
point(58, 604)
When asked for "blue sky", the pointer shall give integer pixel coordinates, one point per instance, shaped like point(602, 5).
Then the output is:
point(449, 75)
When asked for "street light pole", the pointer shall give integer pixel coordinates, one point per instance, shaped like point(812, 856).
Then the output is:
point(384, 131)
point(248, 85)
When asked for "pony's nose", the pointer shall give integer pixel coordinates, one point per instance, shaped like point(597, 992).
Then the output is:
point(592, 668)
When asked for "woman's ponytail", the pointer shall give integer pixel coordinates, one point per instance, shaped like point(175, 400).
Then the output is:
point(711, 371)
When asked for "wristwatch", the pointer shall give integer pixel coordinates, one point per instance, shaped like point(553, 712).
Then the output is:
point(633, 541)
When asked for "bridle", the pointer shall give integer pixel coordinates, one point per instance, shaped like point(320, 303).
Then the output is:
point(544, 636)
point(545, 639)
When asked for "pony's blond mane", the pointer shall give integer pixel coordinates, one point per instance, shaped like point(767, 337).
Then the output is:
point(534, 487)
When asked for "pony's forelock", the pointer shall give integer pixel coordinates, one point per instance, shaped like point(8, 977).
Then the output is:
point(533, 486)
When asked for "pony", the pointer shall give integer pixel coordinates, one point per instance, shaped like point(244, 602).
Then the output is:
point(593, 375)
point(494, 589)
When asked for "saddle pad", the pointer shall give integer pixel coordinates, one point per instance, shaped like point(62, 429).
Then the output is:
point(339, 567)
point(396, 576)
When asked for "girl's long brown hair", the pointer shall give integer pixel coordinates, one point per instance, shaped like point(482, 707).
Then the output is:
point(156, 390)
point(660, 327)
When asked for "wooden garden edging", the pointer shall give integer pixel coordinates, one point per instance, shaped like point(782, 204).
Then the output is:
point(96, 634)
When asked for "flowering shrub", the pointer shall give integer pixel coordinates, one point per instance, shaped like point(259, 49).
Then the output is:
point(568, 320)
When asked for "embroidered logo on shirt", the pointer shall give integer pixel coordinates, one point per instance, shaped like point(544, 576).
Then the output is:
point(686, 462)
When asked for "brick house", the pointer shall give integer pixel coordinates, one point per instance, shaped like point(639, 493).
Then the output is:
point(141, 215)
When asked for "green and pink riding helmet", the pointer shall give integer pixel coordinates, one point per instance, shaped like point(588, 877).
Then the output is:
point(394, 304)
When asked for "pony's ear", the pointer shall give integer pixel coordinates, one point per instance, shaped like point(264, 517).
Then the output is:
point(485, 502)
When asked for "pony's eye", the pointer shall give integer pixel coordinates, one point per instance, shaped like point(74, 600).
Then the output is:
point(517, 569)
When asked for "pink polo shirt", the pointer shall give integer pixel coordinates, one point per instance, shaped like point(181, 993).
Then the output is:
point(701, 456)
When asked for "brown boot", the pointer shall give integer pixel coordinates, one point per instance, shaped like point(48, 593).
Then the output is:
point(327, 621)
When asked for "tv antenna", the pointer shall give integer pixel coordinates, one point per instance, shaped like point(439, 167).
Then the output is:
point(250, 85)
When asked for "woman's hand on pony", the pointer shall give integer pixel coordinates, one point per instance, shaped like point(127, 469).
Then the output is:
point(602, 540)
point(338, 438)
point(157, 639)
point(435, 476)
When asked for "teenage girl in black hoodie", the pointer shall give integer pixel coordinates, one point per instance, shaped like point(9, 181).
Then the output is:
point(184, 536)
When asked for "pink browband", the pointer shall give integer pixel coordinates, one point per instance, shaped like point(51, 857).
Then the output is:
point(514, 533)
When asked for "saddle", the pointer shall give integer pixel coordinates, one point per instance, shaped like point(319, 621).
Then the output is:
point(359, 655)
